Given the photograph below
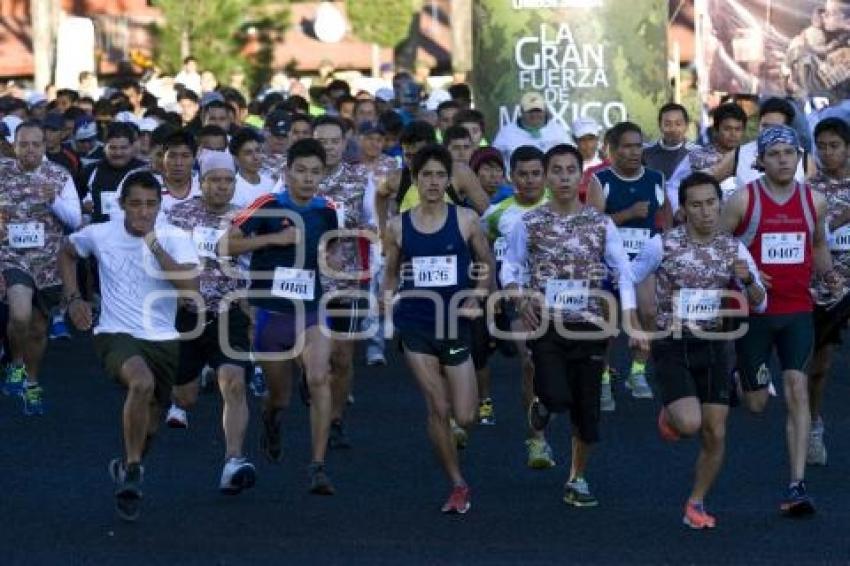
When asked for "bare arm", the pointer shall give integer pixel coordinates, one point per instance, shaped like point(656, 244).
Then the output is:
point(595, 196)
point(724, 168)
point(467, 183)
point(184, 276)
point(481, 250)
point(79, 311)
point(733, 211)
point(820, 248)
point(392, 260)
point(384, 194)
point(235, 242)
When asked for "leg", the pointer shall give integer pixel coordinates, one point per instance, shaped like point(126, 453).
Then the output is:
point(713, 437)
point(19, 298)
point(798, 421)
point(342, 369)
point(316, 356)
point(139, 380)
point(36, 344)
point(278, 376)
point(426, 370)
point(463, 391)
point(234, 416)
point(818, 374)
point(685, 415)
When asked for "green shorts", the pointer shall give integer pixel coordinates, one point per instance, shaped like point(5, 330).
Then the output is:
point(793, 335)
point(161, 358)
point(448, 352)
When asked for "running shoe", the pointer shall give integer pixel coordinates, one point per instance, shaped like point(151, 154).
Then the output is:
point(637, 381)
point(696, 516)
point(460, 435)
point(458, 501)
point(665, 429)
point(128, 488)
point(16, 375)
point(538, 415)
point(816, 453)
point(539, 454)
point(607, 404)
point(320, 483)
point(338, 439)
point(58, 329)
point(33, 401)
point(577, 493)
point(270, 438)
point(177, 417)
point(257, 385)
point(375, 356)
point(486, 413)
point(238, 474)
point(797, 502)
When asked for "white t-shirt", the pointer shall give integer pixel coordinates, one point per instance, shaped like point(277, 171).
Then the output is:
point(247, 192)
point(168, 200)
point(130, 278)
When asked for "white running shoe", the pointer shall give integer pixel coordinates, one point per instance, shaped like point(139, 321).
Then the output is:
point(816, 453)
point(177, 417)
point(238, 474)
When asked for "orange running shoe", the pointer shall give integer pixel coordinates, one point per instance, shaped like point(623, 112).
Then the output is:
point(458, 501)
point(696, 516)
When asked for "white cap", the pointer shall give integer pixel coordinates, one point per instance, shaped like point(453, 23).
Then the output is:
point(127, 117)
point(213, 160)
point(585, 127)
point(12, 122)
point(36, 98)
point(385, 94)
point(436, 98)
point(148, 124)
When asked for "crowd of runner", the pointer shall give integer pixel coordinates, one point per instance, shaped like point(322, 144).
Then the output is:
point(253, 246)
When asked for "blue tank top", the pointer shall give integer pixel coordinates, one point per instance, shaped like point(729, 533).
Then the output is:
point(622, 193)
point(437, 263)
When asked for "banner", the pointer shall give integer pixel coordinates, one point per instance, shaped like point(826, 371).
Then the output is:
point(594, 58)
point(798, 48)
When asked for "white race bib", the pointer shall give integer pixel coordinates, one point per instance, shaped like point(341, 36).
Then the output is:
point(784, 248)
point(435, 271)
point(206, 239)
point(699, 304)
point(567, 294)
point(27, 235)
point(500, 247)
point(634, 239)
point(108, 202)
point(840, 240)
point(340, 214)
point(298, 284)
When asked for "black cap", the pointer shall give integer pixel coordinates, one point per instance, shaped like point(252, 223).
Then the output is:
point(366, 128)
point(53, 121)
point(277, 123)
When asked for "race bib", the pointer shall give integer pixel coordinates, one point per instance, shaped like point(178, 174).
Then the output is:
point(785, 248)
point(634, 239)
point(340, 214)
point(27, 235)
point(206, 239)
point(500, 247)
point(297, 284)
point(699, 304)
point(567, 294)
point(840, 240)
point(435, 271)
point(108, 202)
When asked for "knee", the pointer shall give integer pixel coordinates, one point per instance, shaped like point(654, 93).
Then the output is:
point(439, 412)
point(688, 425)
point(465, 418)
point(231, 381)
point(318, 376)
point(714, 436)
point(141, 385)
point(755, 402)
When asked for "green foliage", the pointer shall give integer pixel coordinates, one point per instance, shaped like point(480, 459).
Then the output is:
point(385, 22)
point(216, 31)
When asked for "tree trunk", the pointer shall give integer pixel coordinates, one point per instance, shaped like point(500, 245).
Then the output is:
point(461, 22)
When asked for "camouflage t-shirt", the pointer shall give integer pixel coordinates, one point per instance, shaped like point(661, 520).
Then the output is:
point(272, 165)
point(346, 188)
point(205, 228)
point(31, 232)
point(837, 193)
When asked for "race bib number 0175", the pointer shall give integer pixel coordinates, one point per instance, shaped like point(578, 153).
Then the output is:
point(435, 271)
point(784, 248)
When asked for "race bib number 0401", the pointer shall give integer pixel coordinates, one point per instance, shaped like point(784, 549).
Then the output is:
point(435, 271)
point(783, 248)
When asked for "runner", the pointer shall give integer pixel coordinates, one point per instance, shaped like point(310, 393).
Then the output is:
point(781, 221)
point(535, 126)
point(832, 139)
point(667, 153)
point(38, 202)
point(528, 175)
point(436, 243)
point(224, 325)
point(143, 267)
point(283, 232)
point(459, 143)
point(345, 185)
point(694, 265)
point(276, 134)
point(251, 181)
point(554, 252)
point(179, 182)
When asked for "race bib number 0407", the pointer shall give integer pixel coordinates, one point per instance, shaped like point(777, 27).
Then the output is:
point(784, 248)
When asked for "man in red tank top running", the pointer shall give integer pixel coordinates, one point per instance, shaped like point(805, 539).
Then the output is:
point(781, 222)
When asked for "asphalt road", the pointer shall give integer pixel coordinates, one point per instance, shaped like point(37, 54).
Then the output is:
point(56, 503)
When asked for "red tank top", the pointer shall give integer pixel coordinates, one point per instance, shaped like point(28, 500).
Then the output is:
point(779, 237)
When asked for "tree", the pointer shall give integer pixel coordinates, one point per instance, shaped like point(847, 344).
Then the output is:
point(214, 32)
point(383, 23)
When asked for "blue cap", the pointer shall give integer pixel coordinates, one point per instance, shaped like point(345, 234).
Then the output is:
point(366, 128)
point(53, 121)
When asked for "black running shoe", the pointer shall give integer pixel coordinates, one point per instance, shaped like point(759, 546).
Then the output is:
point(128, 490)
point(338, 439)
point(320, 484)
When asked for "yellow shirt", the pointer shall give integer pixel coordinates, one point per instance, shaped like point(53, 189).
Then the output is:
point(411, 199)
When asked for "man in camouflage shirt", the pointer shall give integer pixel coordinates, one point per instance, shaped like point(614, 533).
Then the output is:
point(568, 248)
point(345, 185)
point(39, 202)
point(695, 264)
point(205, 220)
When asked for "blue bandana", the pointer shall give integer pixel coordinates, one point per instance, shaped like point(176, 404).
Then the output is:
point(777, 134)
